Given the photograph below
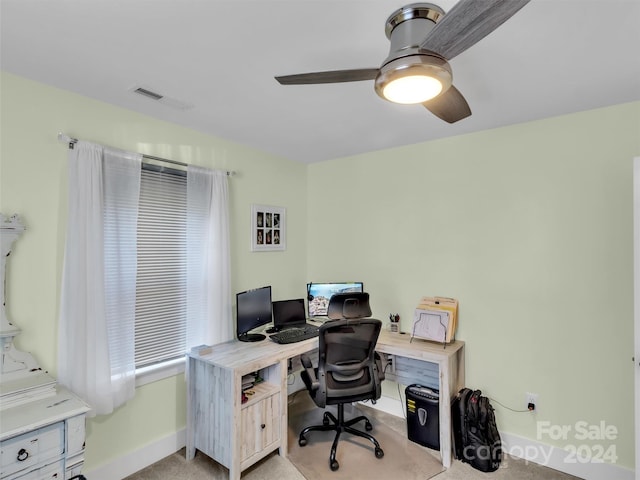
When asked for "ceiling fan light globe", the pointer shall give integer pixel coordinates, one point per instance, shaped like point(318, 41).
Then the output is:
point(412, 89)
point(413, 79)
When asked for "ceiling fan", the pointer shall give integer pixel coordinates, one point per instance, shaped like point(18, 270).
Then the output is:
point(423, 39)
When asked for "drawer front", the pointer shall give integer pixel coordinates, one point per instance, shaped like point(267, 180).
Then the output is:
point(24, 451)
point(54, 471)
point(260, 426)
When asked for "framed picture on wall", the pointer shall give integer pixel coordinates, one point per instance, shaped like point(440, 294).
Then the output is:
point(268, 228)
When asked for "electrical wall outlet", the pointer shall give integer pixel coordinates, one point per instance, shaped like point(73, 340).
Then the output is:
point(531, 399)
point(390, 365)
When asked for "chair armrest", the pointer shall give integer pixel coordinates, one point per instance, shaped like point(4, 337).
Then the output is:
point(311, 380)
point(306, 361)
point(381, 363)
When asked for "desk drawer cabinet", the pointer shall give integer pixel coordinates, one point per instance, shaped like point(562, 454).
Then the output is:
point(219, 424)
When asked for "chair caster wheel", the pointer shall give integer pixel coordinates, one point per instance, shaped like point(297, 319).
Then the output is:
point(302, 441)
point(379, 453)
point(368, 427)
point(334, 465)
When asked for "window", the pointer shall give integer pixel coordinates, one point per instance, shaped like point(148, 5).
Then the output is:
point(161, 282)
point(152, 310)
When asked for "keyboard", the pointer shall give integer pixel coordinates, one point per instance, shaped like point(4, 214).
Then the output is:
point(293, 335)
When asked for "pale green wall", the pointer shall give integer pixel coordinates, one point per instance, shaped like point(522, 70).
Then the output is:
point(33, 184)
point(530, 227)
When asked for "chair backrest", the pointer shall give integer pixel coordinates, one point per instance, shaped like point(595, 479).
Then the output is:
point(349, 305)
point(347, 368)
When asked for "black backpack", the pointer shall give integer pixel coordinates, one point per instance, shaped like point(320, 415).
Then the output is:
point(475, 433)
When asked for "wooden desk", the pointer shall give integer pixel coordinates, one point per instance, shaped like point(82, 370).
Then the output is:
point(238, 435)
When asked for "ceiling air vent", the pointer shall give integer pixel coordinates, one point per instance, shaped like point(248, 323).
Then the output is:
point(148, 93)
point(158, 97)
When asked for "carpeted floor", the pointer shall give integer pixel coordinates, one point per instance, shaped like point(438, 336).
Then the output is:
point(402, 458)
point(275, 467)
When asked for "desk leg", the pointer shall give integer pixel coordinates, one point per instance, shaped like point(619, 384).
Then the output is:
point(235, 473)
point(445, 413)
point(461, 382)
point(451, 381)
point(235, 429)
point(284, 410)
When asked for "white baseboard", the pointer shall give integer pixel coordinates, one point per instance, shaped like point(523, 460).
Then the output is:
point(562, 460)
point(137, 460)
point(536, 452)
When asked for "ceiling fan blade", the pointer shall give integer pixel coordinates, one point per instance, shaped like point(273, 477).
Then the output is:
point(449, 106)
point(335, 76)
point(468, 22)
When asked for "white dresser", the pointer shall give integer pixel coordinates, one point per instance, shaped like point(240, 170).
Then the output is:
point(42, 425)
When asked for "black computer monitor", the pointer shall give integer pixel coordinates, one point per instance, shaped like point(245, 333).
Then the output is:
point(319, 295)
point(253, 309)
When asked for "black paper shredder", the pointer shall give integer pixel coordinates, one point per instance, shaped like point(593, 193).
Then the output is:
point(423, 415)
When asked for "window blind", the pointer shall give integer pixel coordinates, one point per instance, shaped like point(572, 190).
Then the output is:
point(161, 281)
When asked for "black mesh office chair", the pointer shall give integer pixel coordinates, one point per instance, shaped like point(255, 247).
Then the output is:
point(348, 368)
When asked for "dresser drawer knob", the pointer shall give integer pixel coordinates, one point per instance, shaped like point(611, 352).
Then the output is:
point(22, 455)
point(262, 426)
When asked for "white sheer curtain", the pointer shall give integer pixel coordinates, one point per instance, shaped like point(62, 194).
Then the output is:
point(96, 355)
point(208, 258)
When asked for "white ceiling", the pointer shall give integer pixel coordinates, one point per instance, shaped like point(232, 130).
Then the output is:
point(553, 57)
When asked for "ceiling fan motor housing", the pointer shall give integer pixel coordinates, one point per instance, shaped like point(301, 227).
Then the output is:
point(406, 29)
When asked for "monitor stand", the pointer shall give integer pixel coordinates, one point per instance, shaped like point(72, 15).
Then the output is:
point(251, 337)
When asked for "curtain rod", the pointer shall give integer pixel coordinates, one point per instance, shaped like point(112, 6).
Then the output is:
point(62, 137)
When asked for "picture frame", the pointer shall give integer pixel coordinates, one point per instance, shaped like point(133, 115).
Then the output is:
point(268, 228)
